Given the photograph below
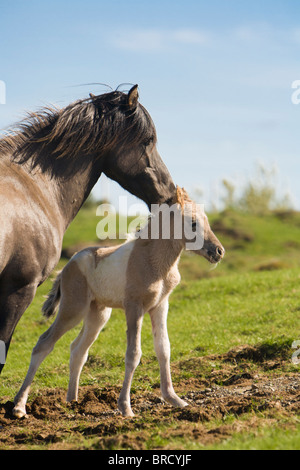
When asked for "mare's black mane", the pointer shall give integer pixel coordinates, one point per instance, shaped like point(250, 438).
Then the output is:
point(85, 127)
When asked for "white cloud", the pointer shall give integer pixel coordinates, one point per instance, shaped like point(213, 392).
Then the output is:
point(258, 33)
point(263, 34)
point(190, 36)
point(149, 40)
point(155, 40)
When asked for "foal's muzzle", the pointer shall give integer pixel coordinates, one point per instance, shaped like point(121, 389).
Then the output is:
point(215, 254)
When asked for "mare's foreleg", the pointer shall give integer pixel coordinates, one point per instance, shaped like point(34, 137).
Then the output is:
point(14, 300)
point(134, 318)
point(162, 348)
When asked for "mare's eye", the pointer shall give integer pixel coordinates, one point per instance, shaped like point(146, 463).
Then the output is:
point(194, 225)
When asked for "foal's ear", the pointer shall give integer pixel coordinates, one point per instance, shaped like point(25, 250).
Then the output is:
point(180, 196)
point(133, 96)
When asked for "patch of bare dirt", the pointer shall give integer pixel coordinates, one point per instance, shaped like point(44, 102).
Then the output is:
point(260, 398)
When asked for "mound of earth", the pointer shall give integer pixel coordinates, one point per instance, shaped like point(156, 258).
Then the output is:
point(258, 398)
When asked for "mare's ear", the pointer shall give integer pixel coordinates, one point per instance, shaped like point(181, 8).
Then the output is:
point(180, 196)
point(133, 96)
point(92, 96)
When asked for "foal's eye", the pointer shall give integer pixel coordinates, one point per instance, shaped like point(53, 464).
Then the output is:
point(148, 141)
point(194, 225)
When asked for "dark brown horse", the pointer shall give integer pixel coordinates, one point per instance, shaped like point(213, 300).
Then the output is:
point(48, 167)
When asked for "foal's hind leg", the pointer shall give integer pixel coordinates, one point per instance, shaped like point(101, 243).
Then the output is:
point(93, 324)
point(69, 315)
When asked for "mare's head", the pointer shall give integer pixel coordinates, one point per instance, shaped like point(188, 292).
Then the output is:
point(131, 157)
point(111, 132)
point(197, 234)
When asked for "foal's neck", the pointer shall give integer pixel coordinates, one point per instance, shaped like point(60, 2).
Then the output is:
point(164, 254)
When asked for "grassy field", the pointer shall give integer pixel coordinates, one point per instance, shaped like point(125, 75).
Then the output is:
point(231, 331)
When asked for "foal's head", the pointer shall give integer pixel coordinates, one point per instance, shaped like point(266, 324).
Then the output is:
point(197, 233)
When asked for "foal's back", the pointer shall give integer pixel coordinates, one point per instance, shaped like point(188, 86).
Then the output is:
point(105, 270)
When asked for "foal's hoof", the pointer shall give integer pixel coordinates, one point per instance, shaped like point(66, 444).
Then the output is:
point(127, 414)
point(184, 404)
point(175, 401)
point(18, 413)
point(180, 404)
point(125, 410)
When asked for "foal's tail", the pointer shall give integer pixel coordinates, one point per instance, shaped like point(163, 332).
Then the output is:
point(50, 306)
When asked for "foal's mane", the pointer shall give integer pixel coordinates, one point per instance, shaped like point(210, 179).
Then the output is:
point(85, 127)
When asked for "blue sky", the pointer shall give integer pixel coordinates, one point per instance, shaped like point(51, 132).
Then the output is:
point(215, 75)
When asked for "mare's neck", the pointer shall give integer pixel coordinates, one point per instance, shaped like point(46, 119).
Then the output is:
point(72, 191)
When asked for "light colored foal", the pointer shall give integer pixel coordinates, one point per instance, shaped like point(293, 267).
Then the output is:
point(137, 276)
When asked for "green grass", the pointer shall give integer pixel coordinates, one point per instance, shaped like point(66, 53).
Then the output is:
point(227, 311)
point(283, 436)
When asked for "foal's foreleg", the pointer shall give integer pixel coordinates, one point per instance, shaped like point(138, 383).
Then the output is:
point(162, 348)
point(134, 318)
